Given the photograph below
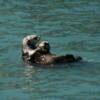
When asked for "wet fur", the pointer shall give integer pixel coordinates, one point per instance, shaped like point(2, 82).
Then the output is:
point(42, 55)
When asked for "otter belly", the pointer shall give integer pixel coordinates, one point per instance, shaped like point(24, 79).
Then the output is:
point(45, 59)
point(52, 59)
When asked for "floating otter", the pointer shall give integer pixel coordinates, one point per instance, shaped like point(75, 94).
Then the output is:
point(36, 52)
point(39, 53)
point(44, 56)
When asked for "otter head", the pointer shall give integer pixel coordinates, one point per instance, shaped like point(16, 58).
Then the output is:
point(29, 45)
point(30, 41)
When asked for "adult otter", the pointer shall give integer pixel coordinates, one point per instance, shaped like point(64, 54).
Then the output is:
point(39, 53)
point(44, 56)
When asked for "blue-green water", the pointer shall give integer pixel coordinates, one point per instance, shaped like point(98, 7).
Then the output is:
point(71, 26)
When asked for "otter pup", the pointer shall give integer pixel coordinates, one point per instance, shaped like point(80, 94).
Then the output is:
point(44, 56)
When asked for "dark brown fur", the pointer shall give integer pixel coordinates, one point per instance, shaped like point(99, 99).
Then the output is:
point(48, 58)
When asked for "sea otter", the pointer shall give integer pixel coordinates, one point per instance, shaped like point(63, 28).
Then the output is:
point(44, 56)
point(36, 52)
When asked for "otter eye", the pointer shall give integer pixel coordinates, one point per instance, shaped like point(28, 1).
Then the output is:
point(28, 42)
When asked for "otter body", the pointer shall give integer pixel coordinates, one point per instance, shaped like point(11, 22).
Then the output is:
point(45, 57)
point(40, 54)
point(52, 59)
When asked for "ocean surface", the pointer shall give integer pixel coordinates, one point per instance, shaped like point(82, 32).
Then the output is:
point(70, 26)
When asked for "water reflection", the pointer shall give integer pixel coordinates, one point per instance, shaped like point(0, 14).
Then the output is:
point(30, 77)
point(81, 78)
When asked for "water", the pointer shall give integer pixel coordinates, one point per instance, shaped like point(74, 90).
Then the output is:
point(70, 26)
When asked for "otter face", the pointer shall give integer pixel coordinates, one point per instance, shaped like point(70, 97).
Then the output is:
point(29, 45)
point(31, 41)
